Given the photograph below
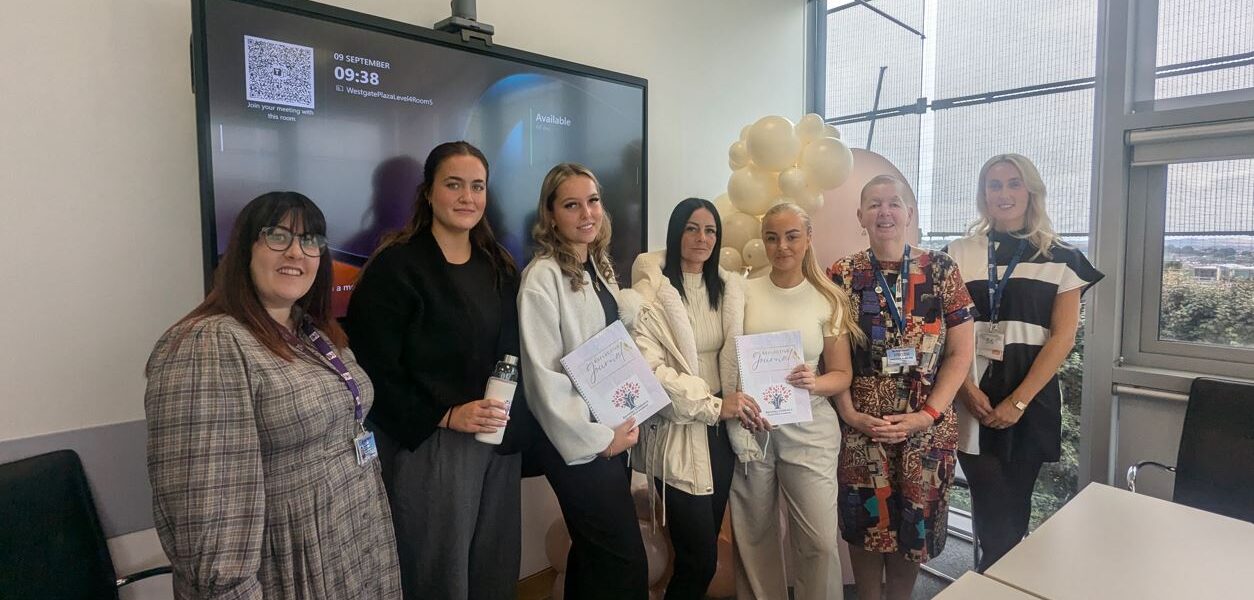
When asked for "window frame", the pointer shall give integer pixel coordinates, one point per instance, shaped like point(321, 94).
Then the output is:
point(1147, 208)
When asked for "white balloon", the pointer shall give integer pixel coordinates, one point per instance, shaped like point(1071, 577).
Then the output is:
point(830, 131)
point(738, 155)
point(729, 258)
point(826, 162)
point(792, 182)
point(810, 203)
point(810, 127)
point(724, 206)
point(749, 190)
point(773, 144)
point(739, 228)
point(761, 272)
point(657, 553)
point(744, 131)
point(755, 254)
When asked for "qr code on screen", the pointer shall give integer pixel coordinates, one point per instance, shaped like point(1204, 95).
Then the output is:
point(278, 72)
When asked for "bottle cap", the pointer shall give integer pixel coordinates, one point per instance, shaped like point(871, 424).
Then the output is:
point(510, 359)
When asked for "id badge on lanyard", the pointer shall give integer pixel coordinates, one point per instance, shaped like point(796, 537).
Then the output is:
point(898, 359)
point(363, 442)
point(991, 344)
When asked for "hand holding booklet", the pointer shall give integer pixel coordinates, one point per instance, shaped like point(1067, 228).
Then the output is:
point(614, 378)
point(765, 360)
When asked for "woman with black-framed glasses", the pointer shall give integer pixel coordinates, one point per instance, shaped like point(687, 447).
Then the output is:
point(265, 483)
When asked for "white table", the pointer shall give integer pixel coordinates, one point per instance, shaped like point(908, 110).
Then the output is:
point(973, 586)
point(1112, 544)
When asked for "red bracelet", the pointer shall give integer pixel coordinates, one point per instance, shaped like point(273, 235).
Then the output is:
point(931, 412)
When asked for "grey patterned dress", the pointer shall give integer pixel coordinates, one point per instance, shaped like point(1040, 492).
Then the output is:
point(256, 488)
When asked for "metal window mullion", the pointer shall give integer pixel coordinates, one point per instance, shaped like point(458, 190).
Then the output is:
point(1144, 53)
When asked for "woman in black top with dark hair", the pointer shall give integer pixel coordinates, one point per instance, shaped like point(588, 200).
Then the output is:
point(430, 317)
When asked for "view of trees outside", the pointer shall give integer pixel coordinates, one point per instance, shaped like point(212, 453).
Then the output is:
point(997, 76)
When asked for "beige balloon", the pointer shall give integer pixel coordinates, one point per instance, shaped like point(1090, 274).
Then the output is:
point(810, 203)
point(723, 205)
point(831, 131)
point(557, 545)
point(810, 128)
point(738, 155)
point(739, 228)
point(837, 232)
point(657, 553)
point(792, 182)
point(749, 190)
point(760, 272)
point(773, 143)
point(755, 254)
point(744, 131)
point(723, 585)
point(559, 587)
point(769, 179)
point(729, 258)
point(826, 162)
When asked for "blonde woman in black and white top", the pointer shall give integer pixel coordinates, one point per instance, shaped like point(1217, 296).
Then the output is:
point(568, 294)
point(1010, 417)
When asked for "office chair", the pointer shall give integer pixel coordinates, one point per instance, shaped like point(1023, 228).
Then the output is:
point(1215, 466)
point(51, 542)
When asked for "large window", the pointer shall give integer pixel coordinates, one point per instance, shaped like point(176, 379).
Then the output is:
point(939, 86)
point(1192, 261)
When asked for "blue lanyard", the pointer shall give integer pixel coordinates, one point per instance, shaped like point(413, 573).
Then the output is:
point(997, 287)
point(881, 284)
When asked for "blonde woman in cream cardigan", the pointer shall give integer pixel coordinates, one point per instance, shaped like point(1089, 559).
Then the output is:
point(568, 294)
point(690, 313)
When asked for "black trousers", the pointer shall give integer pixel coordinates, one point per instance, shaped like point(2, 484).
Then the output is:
point(1001, 502)
point(694, 522)
point(607, 558)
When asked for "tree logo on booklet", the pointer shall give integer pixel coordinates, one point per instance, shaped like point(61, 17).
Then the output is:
point(627, 395)
point(778, 395)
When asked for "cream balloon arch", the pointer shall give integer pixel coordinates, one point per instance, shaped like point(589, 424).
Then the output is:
point(775, 161)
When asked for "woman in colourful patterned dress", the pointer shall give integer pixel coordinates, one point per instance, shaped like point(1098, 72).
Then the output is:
point(898, 432)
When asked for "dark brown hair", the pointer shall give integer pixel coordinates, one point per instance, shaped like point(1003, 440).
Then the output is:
point(481, 235)
point(235, 294)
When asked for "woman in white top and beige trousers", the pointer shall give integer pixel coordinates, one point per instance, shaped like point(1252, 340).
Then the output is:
point(797, 461)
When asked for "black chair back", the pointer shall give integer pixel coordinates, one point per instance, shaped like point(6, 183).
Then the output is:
point(51, 543)
point(1215, 466)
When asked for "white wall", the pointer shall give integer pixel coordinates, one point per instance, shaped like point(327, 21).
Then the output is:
point(100, 224)
point(99, 213)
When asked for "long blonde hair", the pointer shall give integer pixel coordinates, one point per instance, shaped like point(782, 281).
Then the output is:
point(842, 308)
point(550, 243)
point(1039, 230)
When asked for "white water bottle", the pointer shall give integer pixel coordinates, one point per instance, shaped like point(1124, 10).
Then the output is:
point(501, 386)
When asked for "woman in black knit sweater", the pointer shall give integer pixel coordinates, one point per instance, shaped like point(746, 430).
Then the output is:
point(431, 315)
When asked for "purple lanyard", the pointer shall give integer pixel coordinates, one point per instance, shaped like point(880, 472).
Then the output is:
point(325, 349)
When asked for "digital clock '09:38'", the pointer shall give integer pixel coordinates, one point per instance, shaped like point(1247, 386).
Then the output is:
point(361, 76)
